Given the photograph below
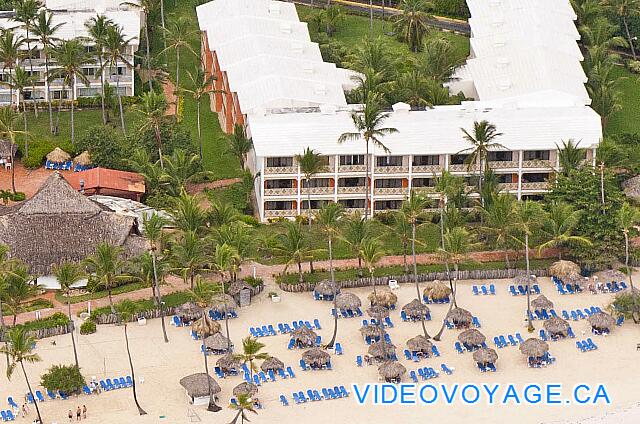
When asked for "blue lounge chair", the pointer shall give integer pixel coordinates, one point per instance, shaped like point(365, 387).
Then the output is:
point(296, 399)
point(565, 315)
point(474, 289)
point(484, 290)
point(40, 396)
point(491, 367)
point(12, 403)
point(476, 322)
point(521, 290)
point(496, 341)
point(569, 288)
point(574, 316)
point(343, 391)
point(580, 314)
point(543, 335)
point(129, 381)
point(623, 285)
point(579, 346)
point(519, 338)
point(512, 290)
point(332, 394)
point(481, 367)
point(359, 360)
point(86, 390)
point(435, 351)
point(458, 347)
point(290, 372)
point(570, 333)
point(620, 320)
point(256, 380)
point(292, 343)
point(316, 324)
point(272, 330)
point(413, 376)
point(302, 396)
point(4, 416)
point(176, 321)
point(591, 344)
point(446, 369)
point(422, 373)
point(10, 415)
point(30, 398)
point(388, 322)
point(318, 340)
point(63, 395)
point(303, 365)
point(512, 340)
point(492, 289)
point(503, 341)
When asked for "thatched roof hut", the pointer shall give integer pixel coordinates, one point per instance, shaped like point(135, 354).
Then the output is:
point(610, 275)
point(228, 363)
point(378, 312)
point(574, 279)
point(601, 321)
point(188, 311)
point(534, 347)
point(196, 385)
point(6, 147)
point(272, 363)
point(541, 303)
point(415, 309)
point(83, 159)
point(562, 268)
point(370, 331)
point(381, 350)
point(382, 297)
point(348, 301)
point(485, 355)
point(556, 326)
point(392, 371)
point(245, 388)
point(316, 357)
point(237, 286)
point(205, 326)
point(420, 343)
point(59, 224)
point(304, 336)
point(58, 155)
point(524, 279)
point(472, 337)
point(460, 317)
point(223, 302)
point(217, 343)
point(326, 288)
point(437, 290)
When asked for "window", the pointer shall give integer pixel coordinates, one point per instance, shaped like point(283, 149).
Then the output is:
point(388, 183)
point(458, 159)
point(279, 162)
point(278, 184)
point(500, 156)
point(34, 74)
point(351, 182)
point(315, 204)
point(388, 205)
point(317, 182)
point(426, 160)
point(90, 49)
point(59, 94)
point(504, 178)
point(389, 161)
point(352, 160)
point(534, 178)
point(423, 182)
point(536, 155)
point(278, 205)
point(352, 203)
point(89, 72)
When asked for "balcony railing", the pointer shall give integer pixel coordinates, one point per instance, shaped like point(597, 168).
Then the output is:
point(538, 163)
point(509, 186)
point(354, 210)
point(352, 168)
point(317, 190)
point(391, 169)
point(463, 167)
point(351, 190)
point(430, 169)
point(502, 164)
point(424, 190)
point(280, 170)
point(544, 185)
point(277, 213)
point(280, 191)
point(391, 190)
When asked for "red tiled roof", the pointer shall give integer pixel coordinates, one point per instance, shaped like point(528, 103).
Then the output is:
point(104, 178)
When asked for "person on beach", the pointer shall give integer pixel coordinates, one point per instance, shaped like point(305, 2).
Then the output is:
point(70, 416)
point(78, 413)
point(84, 412)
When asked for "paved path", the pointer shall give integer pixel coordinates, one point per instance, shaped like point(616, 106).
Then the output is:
point(169, 93)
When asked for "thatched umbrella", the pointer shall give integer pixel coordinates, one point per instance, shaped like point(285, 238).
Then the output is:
point(601, 321)
point(58, 155)
point(245, 388)
point(217, 343)
point(611, 275)
point(188, 311)
point(237, 286)
point(440, 291)
point(228, 363)
point(557, 326)
point(534, 347)
point(224, 303)
point(562, 269)
point(326, 288)
point(83, 159)
point(370, 331)
point(574, 279)
point(348, 301)
point(428, 286)
point(205, 326)
point(382, 350)
point(382, 297)
point(378, 312)
point(420, 343)
point(415, 309)
point(197, 386)
point(304, 336)
point(524, 279)
point(472, 337)
point(392, 371)
point(541, 303)
point(272, 364)
point(460, 317)
point(485, 355)
point(316, 357)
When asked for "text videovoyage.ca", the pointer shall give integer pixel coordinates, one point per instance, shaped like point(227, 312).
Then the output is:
point(480, 394)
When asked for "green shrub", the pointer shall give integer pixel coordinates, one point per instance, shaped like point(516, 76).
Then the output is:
point(55, 320)
point(105, 145)
point(37, 153)
point(65, 378)
point(88, 327)
point(18, 197)
point(249, 220)
point(625, 302)
point(254, 282)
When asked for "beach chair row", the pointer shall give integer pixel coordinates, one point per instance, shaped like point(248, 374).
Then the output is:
point(270, 377)
point(305, 367)
point(427, 300)
point(117, 383)
point(405, 318)
point(219, 316)
point(426, 373)
point(417, 356)
point(474, 320)
point(486, 367)
point(58, 166)
point(386, 322)
point(292, 343)
point(578, 314)
point(40, 397)
point(313, 395)
point(586, 345)
point(483, 290)
point(543, 361)
point(463, 347)
point(7, 415)
point(347, 313)
point(521, 290)
point(318, 296)
point(510, 340)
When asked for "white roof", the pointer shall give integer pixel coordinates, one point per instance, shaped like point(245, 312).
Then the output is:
point(435, 131)
point(498, 43)
point(93, 5)
point(208, 12)
point(519, 9)
point(128, 207)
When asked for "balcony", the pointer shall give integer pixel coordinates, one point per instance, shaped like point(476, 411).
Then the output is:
point(424, 190)
point(543, 185)
point(354, 210)
point(391, 190)
point(280, 191)
point(278, 213)
point(351, 190)
point(391, 169)
point(509, 186)
point(427, 169)
point(537, 163)
point(352, 168)
point(503, 164)
point(317, 190)
point(463, 167)
point(280, 170)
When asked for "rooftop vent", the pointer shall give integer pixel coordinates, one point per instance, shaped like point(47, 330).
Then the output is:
point(401, 107)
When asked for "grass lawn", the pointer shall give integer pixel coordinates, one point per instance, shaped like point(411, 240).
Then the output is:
point(628, 118)
point(125, 288)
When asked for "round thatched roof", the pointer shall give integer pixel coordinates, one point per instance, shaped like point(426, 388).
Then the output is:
point(541, 303)
point(304, 336)
point(58, 155)
point(326, 288)
point(272, 363)
point(370, 331)
point(217, 342)
point(237, 286)
point(534, 347)
point(415, 309)
point(525, 279)
point(316, 356)
point(6, 147)
point(245, 388)
point(196, 385)
point(346, 300)
point(437, 290)
point(460, 316)
point(575, 278)
point(428, 286)
point(205, 326)
point(601, 321)
point(381, 350)
point(83, 159)
point(392, 370)
point(485, 355)
point(228, 362)
point(611, 275)
point(472, 337)
point(378, 312)
point(557, 326)
point(188, 311)
point(562, 269)
point(384, 298)
point(419, 343)
point(223, 302)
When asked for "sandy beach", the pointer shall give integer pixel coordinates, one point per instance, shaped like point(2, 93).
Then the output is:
point(162, 365)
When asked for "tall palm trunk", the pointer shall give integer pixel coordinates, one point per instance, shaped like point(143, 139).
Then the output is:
point(212, 402)
point(199, 130)
point(335, 294)
point(104, 113)
point(300, 279)
point(156, 132)
point(371, 18)
point(177, 72)
point(415, 275)
point(26, 379)
point(158, 296)
point(146, 35)
point(626, 29)
point(124, 129)
point(133, 375)
point(366, 180)
point(46, 70)
point(57, 126)
point(224, 310)
point(309, 220)
point(73, 126)
point(26, 136)
point(405, 264)
point(33, 84)
point(73, 339)
point(13, 166)
point(3, 329)
point(526, 253)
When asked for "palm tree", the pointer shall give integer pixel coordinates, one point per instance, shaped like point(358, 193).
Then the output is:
point(624, 9)
point(153, 226)
point(528, 219)
point(107, 265)
point(413, 87)
point(181, 169)
point(19, 348)
point(293, 248)
point(328, 218)
point(440, 58)
point(98, 27)
point(238, 144)
point(147, 7)
point(187, 213)
point(189, 256)
point(20, 81)
point(225, 258)
point(601, 40)
point(10, 53)
point(603, 88)
point(6, 265)
point(202, 294)
point(201, 84)
point(497, 220)
point(400, 228)
point(221, 213)
point(375, 56)
point(237, 235)
point(115, 48)
point(178, 36)
point(628, 218)
point(355, 233)
point(457, 245)
point(26, 13)
point(18, 288)
point(44, 31)
point(67, 274)
point(570, 156)
point(8, 121)
point(413, 23)
point(251, 351)
point(126, 310)
point(153, 107)
point(330, 17)
point(372, 253)
point(559, 227)
point(243, 403)
point(70, 57)
point(369, 126)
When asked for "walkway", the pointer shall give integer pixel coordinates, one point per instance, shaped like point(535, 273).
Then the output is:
point(28, 181)
point(169, 93)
